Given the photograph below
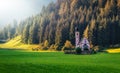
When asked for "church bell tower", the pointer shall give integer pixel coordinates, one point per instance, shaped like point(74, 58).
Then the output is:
point(77, 38)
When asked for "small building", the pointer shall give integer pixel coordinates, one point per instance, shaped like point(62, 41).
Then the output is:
point(82, 43)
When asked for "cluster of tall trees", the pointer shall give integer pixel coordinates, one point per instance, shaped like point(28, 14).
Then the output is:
point(97, 20)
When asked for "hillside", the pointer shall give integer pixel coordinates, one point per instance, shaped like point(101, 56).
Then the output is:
point(97, 20)
point(16, 43)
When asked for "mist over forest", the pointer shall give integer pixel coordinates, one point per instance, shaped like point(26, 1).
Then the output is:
point(17, 10)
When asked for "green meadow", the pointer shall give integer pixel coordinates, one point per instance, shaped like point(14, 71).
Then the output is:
point(21, 61)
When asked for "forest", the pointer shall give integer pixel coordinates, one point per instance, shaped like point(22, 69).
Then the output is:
point(97, 20)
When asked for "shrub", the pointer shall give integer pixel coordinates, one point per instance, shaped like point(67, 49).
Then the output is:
point(45, 48)
point(93, 51)
point(78, 50)
point(55, 47)
point(96, 48)
point(52, 47)
point(59, 48)
point(68, 44)
point(46, 43)
point(66, 48)
point(101, 48)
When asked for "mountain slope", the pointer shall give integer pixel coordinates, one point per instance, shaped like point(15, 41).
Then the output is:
point(97, 20)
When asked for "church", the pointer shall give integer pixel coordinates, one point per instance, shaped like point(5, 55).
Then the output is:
point(81, 43)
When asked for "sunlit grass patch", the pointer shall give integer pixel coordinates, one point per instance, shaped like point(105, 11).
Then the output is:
point(16, 43)
point(113, 50)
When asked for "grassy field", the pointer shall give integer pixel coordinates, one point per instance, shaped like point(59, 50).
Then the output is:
point(19, 61)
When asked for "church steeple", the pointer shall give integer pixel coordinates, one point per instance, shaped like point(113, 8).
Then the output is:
point(77, 37)
point(76, 29)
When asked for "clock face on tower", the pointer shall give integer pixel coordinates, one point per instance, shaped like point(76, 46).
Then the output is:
point(77, 34)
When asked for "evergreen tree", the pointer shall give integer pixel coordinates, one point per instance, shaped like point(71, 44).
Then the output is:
point(25, 34)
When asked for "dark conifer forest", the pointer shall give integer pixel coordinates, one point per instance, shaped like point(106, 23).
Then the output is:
point(97, 20)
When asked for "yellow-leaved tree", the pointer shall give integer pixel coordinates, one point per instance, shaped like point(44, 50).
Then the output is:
point(46, 45)
point(67, 45)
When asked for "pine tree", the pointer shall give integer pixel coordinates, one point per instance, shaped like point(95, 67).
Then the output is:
point(25, 34)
